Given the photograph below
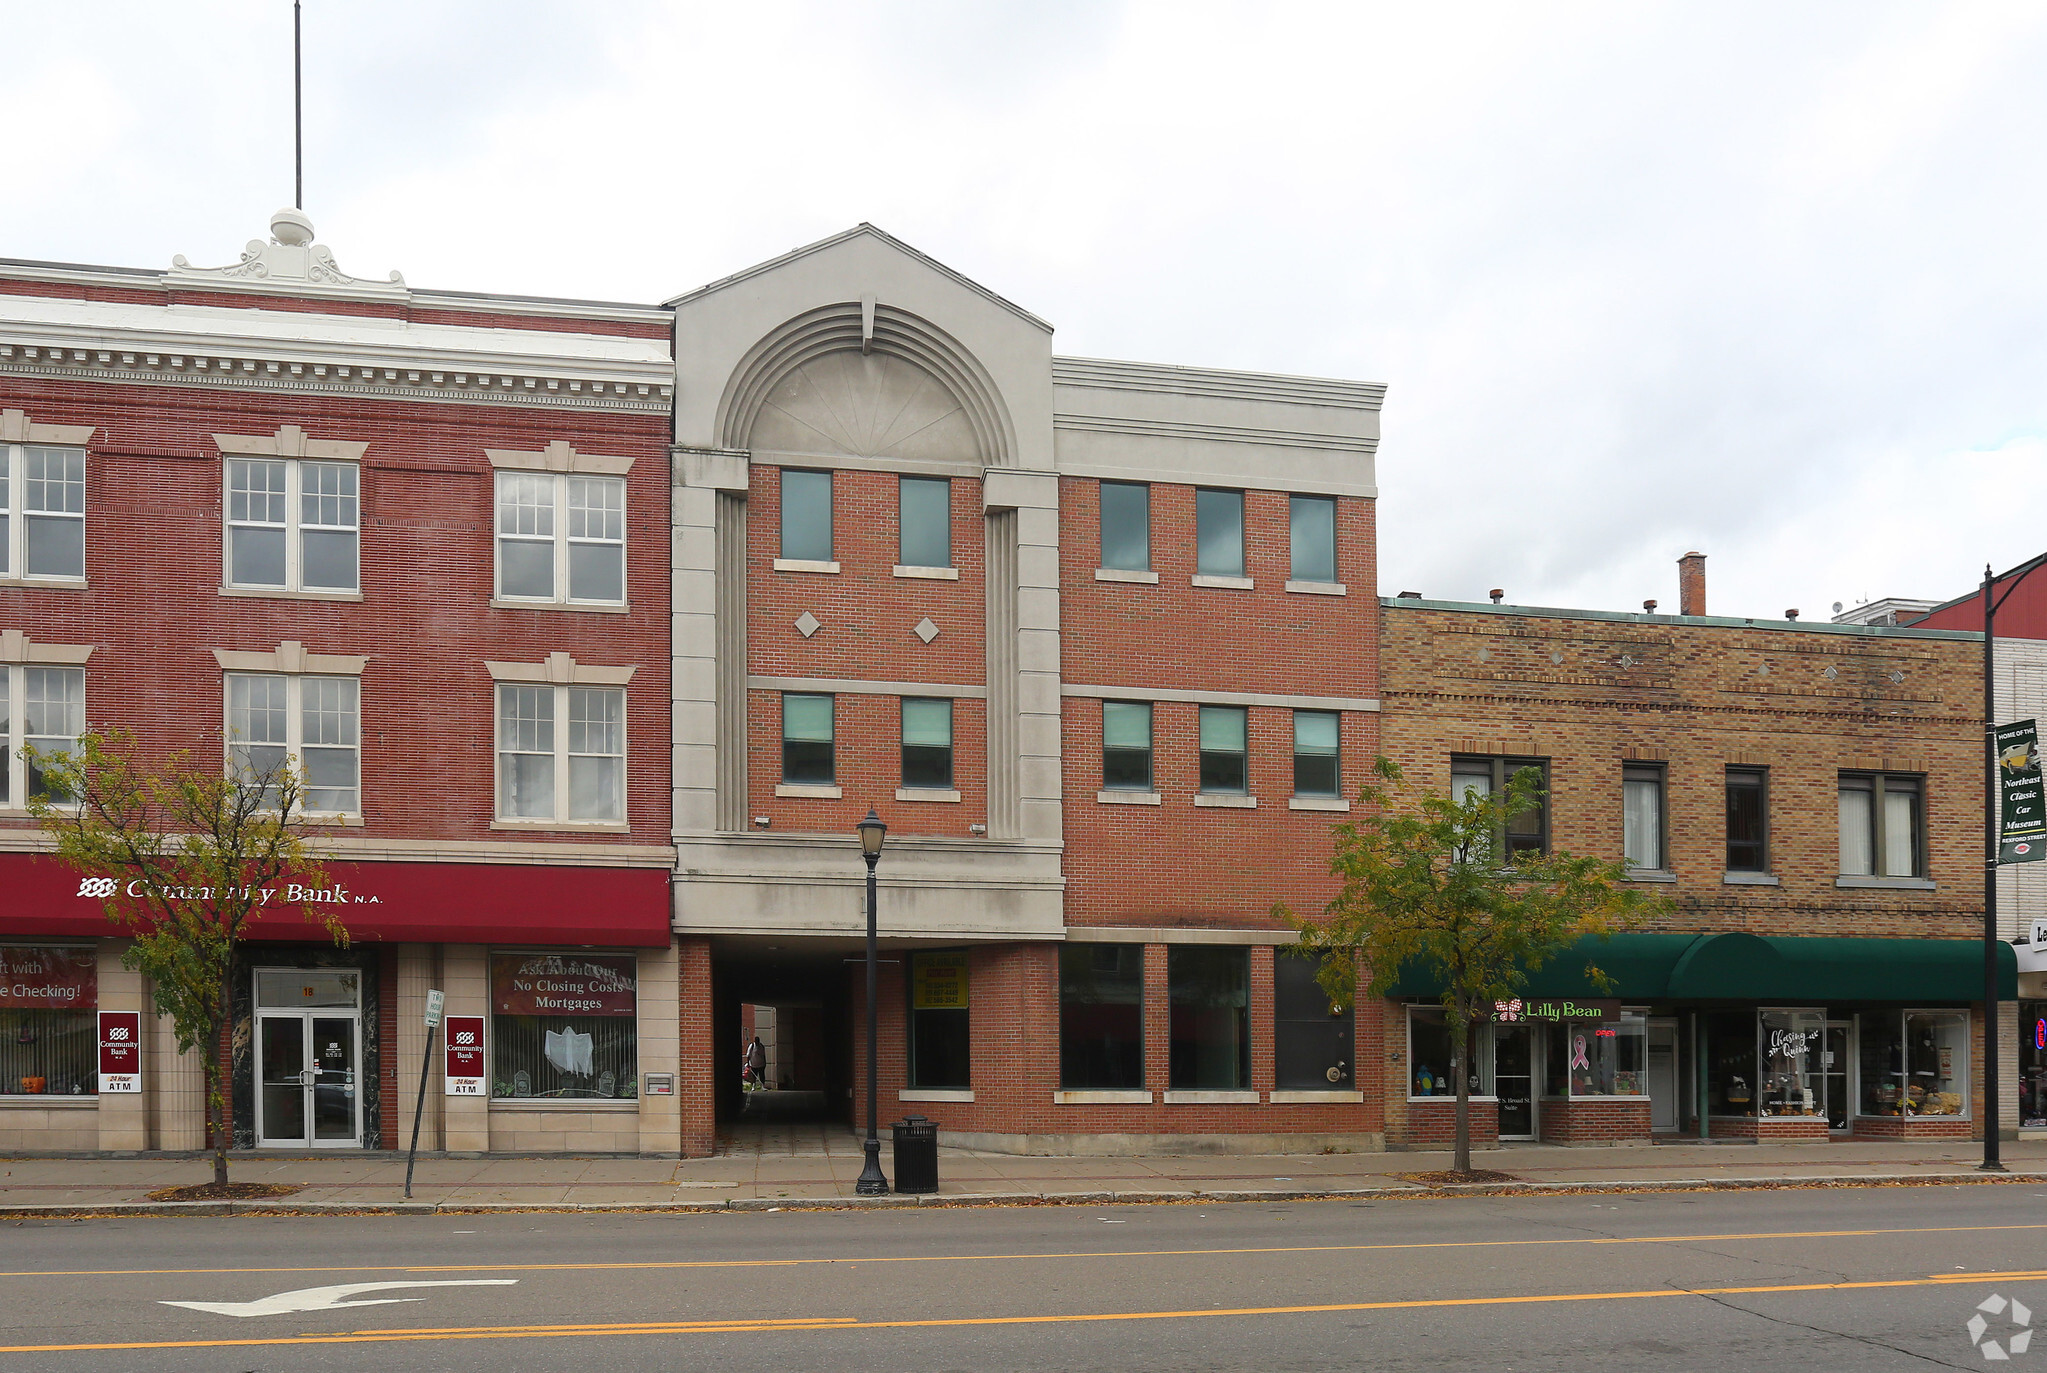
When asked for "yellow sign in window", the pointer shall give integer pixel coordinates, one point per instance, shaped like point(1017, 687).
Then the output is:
point(939, 982)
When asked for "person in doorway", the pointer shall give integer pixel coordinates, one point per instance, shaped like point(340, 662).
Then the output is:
point(757, 1062)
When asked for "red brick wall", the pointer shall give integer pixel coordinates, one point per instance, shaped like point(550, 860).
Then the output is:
point(1432, 1123)
point(696, 1072)
point(1592, 1120)
point(153, 610)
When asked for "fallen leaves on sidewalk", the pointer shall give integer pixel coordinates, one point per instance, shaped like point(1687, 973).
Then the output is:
point(227, 1191)
point(1450, 1177)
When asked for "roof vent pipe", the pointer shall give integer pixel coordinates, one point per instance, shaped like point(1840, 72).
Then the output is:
point(1496, 593)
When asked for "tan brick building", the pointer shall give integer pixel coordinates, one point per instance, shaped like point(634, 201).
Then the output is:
point(1809, 795)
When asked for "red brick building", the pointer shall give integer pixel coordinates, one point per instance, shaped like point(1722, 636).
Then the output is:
point(416, 542)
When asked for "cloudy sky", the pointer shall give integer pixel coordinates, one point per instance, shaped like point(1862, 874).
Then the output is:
point(1761, 280)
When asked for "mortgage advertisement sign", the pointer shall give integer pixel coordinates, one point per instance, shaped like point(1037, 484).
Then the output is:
point(2022, 826)
point(548, 984)
point(120, 1052)
point(939, 982)
point(46, 979)
point(465, 1055)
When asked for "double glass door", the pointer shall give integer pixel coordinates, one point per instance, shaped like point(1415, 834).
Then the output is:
point(308, 1062)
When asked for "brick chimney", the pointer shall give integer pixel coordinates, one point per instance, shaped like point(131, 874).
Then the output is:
point(1691, 584)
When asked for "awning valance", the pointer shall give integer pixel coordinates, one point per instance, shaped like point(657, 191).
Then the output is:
point(1770, 968)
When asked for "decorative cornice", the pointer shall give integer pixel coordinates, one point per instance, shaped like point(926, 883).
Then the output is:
point(1214, 433)
point(1113, 375)
point(289, 261)
point(290, 657)
point(560, 670)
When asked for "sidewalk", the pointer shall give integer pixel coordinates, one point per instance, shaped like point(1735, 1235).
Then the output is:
point(824, 1169)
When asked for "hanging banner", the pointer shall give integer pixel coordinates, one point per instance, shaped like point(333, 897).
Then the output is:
point(465, 1055)
point(120, 1052)
point(2022, 830)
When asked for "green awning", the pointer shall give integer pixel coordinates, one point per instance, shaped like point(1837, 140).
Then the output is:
point(1749, 967)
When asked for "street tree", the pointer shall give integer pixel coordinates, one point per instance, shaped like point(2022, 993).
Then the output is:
point(183, 856)
point(1431, 885)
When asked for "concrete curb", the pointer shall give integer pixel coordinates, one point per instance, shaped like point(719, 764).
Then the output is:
point(1216, 1196)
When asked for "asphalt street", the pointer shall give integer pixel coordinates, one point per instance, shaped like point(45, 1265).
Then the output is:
point(1818, 1279)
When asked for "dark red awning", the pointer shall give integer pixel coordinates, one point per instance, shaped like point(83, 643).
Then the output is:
point(455, 903)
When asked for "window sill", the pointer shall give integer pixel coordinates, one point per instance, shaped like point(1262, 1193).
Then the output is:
point(1749, 879)
point(1887, 883)
point(42, 1101)
point(935, 1094)
point(926, 794)
point(565, 826)
point(61, 583)
point(804, 565)
point(607, 1105)
point(333, 821)
point(1126, 574)
point(1333, 803)
point(599, 607)
point(1286, 1098)
point(1225, 583)
point(1225, 800)
point(1102, 1098)
point(1127, 798)
point(934, 574)
point(278, 593)
point(821, 791)
point(1318, 588)
point(1648, 875)
point(1182, 1096)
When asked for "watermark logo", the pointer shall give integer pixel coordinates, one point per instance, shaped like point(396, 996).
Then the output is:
point(2016, 1342)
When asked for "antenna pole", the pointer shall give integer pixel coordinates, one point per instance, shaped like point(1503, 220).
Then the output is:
point(298, 117)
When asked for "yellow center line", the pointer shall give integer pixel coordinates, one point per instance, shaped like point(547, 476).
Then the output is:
point(1014, 1258)
point(686, 1327)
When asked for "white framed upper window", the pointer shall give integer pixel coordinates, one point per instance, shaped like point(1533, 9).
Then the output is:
point(293, 525)
point(560, 538)
point(41, 709)
point(560, 754)
point(42, 512)
point(314, 722)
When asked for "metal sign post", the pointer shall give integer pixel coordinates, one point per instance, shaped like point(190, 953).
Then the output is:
point(434, 1003)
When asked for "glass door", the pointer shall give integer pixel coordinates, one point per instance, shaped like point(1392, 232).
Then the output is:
point(1663, 1076)
point(335, 1100)
point(285, 1076)
point(1834, 1066)
point(1514, 1080)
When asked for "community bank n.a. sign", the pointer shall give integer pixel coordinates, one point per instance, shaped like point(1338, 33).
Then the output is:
point(469, 903)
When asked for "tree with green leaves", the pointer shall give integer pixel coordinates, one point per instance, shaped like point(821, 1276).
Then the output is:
point(1431, 887)
point(184, 856)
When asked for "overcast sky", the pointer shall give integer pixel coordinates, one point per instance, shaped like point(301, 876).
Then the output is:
point(1765, 281)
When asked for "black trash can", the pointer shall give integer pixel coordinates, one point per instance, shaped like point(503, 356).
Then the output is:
point(916, 1155)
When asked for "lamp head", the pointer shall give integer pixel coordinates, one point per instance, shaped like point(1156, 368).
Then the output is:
point(872, 832)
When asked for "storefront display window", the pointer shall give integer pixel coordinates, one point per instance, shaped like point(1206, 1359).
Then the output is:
point(1428, 1049)
point(1314, 1039)
point(1731, 1063)
point(2033, 1063)
point(1609, 1057)
point(1915, 1063)
point(939, 1007)
point(49, 1039)
point(1101, 1017)
point(563, 1025)
point(1790, 1049)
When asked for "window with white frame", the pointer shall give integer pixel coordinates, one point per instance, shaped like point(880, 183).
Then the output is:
point(293, 525)
point(313, 723)
point(560, 538)
point(561, 753)
point(1642, 816)
point(42, 713)
point(42, 512)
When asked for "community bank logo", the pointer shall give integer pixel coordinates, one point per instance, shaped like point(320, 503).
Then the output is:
point(2017, 1342)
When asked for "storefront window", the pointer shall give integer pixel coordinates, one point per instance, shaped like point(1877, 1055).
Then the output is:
point(1916, 1063)
point(49, 1035)
point(1101, 1017)
point(1608, 1057)
point(1791, 1049)
point(1428, 1050)
point(939, 1000)
point(1208, 989)
point(2033, 1063)
point(1314, 1040)
point(563, 1025)
point(1731, 1063)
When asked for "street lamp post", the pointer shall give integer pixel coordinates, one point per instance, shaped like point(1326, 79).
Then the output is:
point(873, 1182)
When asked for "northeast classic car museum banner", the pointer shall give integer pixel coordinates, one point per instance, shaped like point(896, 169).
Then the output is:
point(2022, 828)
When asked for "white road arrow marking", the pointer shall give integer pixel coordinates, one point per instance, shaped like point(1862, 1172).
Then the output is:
point(328, 1298)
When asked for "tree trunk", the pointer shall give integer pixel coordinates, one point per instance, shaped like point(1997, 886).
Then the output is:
point(1460, 1055)
point(216, 1107)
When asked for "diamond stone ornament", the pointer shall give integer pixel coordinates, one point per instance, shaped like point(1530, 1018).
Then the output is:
point(808, 624)
point(926, 630)
point(2018, 1342)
